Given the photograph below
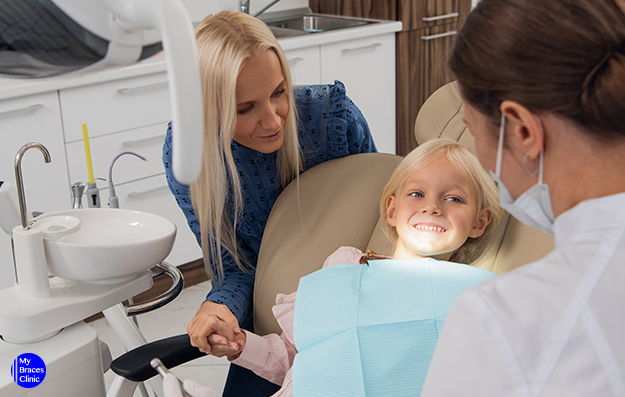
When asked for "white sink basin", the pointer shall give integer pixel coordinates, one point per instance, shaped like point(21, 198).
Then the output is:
point(99, 244)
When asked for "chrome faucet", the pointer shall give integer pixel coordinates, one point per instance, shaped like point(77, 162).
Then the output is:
point(244, 6)
point(18, 177)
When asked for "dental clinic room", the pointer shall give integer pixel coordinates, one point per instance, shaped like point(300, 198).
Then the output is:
point(312, 198)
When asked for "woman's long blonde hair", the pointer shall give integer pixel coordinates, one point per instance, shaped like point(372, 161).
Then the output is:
point(467, 163)
point(226, 42)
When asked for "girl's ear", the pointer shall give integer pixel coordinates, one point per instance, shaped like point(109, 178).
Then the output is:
point(482, 221)
point(391, 203)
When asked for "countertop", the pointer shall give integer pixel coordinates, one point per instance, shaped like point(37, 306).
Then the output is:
point(13, 88)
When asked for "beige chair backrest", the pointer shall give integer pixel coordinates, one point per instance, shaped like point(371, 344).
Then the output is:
point(337, 204)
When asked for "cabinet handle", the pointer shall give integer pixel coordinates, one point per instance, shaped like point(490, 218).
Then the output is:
point(296, 60)
point(439, 17)
point(364, 47)
point(438, 36)
point(17, 112)
point(143, 88)
point(137, 142)
point(139, 193)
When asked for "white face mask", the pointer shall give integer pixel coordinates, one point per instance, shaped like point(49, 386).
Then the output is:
point(533, 207)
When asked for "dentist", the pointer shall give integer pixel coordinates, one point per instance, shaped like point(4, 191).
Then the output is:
point(260, 134)
point(544, 90)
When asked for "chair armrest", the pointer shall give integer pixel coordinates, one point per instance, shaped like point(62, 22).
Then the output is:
point(134, 365)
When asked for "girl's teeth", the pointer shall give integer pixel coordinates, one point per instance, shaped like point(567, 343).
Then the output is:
point(430, 228)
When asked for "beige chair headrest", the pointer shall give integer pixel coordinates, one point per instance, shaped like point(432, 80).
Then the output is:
point(441, 117)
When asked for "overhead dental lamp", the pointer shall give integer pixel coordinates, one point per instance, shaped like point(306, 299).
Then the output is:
point(48, 38)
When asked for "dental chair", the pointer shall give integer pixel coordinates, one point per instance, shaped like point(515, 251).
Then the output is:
point(336, 204)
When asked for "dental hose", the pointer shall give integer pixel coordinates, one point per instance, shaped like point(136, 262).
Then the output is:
point(113, 200)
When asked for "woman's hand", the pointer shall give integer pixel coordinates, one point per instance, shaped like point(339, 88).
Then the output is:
point(202, 328)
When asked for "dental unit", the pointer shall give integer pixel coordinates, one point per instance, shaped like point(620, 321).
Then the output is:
point(74, 263)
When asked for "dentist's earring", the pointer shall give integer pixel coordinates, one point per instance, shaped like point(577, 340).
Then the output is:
point(532, 174)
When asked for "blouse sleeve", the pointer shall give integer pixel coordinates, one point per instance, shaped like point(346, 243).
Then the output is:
point(237, 287)
point(271, 356)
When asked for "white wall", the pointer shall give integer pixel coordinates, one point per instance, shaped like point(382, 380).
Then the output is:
point(200, 8)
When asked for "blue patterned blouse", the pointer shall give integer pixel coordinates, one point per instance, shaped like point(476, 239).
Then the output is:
point(331, 126)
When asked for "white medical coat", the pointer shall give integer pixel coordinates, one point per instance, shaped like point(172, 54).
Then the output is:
point(555, 327)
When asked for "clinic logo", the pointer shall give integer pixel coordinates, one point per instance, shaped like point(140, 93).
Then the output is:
point(28, 370)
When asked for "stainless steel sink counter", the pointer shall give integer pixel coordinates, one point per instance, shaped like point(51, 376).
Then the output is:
point(301, 27)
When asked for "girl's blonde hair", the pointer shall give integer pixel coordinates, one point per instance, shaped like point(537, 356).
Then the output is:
point(468, 164)
point(225, 43)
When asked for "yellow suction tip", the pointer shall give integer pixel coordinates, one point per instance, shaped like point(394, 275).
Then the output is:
point(85, 139)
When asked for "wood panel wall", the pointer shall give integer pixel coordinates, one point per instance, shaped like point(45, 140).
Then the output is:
point(421, 64)
point(377, 9)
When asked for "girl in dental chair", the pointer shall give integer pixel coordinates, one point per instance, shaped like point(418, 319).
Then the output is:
point(439, 205)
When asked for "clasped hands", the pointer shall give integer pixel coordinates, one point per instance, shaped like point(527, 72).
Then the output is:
point(214, 330)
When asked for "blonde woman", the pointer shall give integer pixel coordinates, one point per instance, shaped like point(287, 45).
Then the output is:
point(260, 134)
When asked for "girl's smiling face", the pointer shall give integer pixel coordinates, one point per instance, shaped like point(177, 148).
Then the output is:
point(262, 104)
point(435, 211)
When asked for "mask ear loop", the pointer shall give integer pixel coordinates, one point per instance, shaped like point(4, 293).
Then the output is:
point(541, 154)
point(536, 165)
point(500, 146)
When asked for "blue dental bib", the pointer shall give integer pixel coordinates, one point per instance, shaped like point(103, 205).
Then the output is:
point(371, 330)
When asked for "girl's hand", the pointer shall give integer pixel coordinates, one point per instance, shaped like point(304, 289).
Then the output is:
point(233, 348)
point(201, 328)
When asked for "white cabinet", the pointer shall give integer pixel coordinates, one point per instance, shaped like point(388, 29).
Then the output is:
point(367, 68)
point(34, 118)
point(146, 141)
point(127, 115)
point(305, 65)
point(115, 106)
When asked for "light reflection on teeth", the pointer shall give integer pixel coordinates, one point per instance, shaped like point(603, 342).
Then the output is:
point(430, 228)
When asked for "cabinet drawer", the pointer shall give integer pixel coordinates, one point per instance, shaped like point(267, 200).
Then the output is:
point(304, 64)
point(367, 68)
point(153, 195)
point(416, 14)
point(115, 106)
point(146, 141)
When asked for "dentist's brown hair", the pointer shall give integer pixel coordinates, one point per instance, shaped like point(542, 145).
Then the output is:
point(562, 56)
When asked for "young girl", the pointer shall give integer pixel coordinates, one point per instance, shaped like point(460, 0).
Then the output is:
point(439, 203)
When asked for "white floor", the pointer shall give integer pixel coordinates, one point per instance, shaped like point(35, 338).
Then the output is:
point(171, 320)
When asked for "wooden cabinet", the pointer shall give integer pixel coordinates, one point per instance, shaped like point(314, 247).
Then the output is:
point(422, 49)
